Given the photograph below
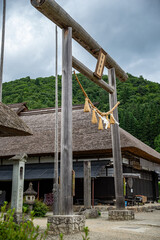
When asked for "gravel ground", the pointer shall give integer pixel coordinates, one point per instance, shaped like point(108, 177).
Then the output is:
point(146, 226)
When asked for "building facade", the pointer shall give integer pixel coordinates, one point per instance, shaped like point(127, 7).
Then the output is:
point(141, 163)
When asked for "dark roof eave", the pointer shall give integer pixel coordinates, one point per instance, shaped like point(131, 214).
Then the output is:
point(140, 153)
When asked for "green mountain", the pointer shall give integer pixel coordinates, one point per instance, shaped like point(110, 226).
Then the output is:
point(139, 111)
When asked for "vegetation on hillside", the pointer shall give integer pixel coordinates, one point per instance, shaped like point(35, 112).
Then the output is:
point(139, 111)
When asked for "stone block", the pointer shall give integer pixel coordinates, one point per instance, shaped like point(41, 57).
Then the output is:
point(66, 224)
point(89, 213)
point(121, 215)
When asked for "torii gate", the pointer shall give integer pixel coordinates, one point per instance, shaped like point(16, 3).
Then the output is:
point(71, 29)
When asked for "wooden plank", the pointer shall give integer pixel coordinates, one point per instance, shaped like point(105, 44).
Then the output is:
point(87, 184)
point(66, 205)
point(60, 17)
point(116, 146)
point(100, 64)
point(90, 75)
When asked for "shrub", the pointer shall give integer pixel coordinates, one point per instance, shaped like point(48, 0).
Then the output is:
point(24, 231)
point(25, 208)
point(40, 209)
point(99, 213)
point(61, 236)
point(86, 233)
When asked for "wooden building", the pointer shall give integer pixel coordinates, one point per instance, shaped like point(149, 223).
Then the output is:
point(89, 144)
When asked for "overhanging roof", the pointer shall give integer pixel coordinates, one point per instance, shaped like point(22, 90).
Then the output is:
point(87, 139)
point(11, 124)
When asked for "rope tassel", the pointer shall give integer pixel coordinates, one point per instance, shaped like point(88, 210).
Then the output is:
point(112, 120)
point(86, 106)
point(94, 118)
point(100, 126)
point(109, 125)
point(103, 116)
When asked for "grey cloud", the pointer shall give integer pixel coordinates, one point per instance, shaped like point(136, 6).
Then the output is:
point(129, 30)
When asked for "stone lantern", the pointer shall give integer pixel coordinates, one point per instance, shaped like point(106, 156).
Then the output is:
point(30, 195)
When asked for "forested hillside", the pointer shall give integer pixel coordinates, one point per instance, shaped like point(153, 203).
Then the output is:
point(139, 111)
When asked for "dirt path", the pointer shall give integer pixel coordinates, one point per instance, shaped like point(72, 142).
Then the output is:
point(146, 226)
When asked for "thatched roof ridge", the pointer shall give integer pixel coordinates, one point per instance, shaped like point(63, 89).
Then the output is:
point(87, 139)
point(11, 124)
point(18, 107)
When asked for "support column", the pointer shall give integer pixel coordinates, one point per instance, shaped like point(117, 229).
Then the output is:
point(116, 146)
point(87, 184)
point(66, 125)
point(38, 191)
point(92, 192)
point(56, 185)
point(2, 47)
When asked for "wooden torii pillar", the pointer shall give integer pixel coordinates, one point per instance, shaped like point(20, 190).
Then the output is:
point(66, 199)
point(116, 144)
point(87, 184)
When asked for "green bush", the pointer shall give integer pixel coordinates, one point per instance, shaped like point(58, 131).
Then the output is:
point(25, 208)
point(40, 209)
point(99, 213)
point(9, 230)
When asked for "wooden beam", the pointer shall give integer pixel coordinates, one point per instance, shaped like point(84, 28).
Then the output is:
point(60, 17)
point(80, 67)
point(87, 184)
point(66, 204)
point(116, 145)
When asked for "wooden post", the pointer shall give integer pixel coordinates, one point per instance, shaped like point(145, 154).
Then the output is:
point(38, 191)
point(2, 48)
point(116, 147)
point(87, 184)
point(56, 185)
point(92, 192)
point(66, 207)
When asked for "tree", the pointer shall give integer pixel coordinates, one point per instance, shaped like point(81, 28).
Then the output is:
point(157, 143)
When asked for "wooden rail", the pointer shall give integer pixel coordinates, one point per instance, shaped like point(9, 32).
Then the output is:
point(60, 17)
point(89, 74)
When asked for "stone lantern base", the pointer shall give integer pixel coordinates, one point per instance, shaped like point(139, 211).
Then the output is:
point(121, 215)
point(66, 224)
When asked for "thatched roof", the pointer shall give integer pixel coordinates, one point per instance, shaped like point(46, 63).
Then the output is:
point(11, 124)
point(18, 107)
point(87, 139)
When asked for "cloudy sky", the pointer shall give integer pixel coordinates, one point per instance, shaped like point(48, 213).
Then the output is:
point(129, 30)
